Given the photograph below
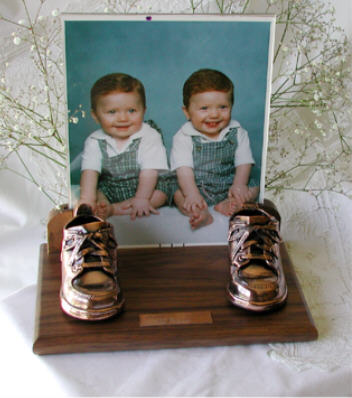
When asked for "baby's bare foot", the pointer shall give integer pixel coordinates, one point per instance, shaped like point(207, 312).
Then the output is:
point(104, 209)
point(227, 207)
point(122, 208)
point(200, 219)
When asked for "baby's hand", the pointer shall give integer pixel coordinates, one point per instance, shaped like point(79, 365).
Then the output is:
point(239, 193)
point(194, 202)
point(141, 207)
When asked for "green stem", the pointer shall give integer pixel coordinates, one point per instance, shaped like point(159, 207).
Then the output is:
point(245, 6)
point(278, 90)
point(220, 6)
point(43, 65)
point(32, 115)
point(45, 155)
point(2, 18)
point(32, 179)
point(344, 144)
point(314, 191)
point(47, 146)
point(18, 174)
point(284, 173)
point(193, 6)
point(284, 32)
point(309, 178)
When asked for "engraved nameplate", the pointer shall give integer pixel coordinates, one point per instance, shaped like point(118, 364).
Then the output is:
point(175, 318)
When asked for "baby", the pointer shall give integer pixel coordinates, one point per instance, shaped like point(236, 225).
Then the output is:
point(211, 153)
point(121, 160)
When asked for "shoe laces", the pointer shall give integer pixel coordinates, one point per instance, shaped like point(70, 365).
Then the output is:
point(89, 249)
point(253, 241)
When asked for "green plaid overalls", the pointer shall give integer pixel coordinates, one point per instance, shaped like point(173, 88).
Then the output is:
point(214, 166)
point(119, 176)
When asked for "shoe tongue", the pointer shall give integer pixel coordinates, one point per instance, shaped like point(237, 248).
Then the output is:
point(257, 270)
point(93, 226)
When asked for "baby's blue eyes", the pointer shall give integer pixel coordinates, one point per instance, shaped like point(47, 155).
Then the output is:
point(204, 108)
point(113, 111)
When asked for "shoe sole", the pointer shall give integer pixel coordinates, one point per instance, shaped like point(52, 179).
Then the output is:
point(262, 306)
point(90, 315)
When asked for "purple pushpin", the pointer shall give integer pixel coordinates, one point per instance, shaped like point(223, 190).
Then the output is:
point(148, 18)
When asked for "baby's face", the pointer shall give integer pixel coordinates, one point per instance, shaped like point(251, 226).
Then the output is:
point(119, 114)
point(209, 112)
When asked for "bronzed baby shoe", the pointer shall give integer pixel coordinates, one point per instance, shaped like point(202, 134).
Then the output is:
point(257, 281)
point(89, 288)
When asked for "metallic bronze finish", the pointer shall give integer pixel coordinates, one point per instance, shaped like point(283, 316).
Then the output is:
point(89, 287)
point(257, 281)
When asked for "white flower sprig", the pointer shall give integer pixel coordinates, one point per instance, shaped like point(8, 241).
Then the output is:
point(33, 112)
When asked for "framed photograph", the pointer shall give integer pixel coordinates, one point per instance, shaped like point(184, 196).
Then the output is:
point(172, 56)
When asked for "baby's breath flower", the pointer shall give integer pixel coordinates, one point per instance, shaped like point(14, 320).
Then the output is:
point(318, 124)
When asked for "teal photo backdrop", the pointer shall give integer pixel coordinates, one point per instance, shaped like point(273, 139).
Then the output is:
point(163, 54)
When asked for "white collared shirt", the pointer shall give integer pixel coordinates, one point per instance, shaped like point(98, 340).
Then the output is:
point(151, 151)
point(182, 145)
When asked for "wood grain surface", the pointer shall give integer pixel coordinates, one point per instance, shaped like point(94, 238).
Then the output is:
point(164, 281)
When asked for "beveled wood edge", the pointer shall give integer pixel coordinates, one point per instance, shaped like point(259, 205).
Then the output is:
point(49, 346)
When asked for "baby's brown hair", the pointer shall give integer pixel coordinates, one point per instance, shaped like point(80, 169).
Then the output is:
point(116, 82)
point(207, 80)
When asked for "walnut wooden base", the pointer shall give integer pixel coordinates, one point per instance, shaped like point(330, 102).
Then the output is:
point(175, 297)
